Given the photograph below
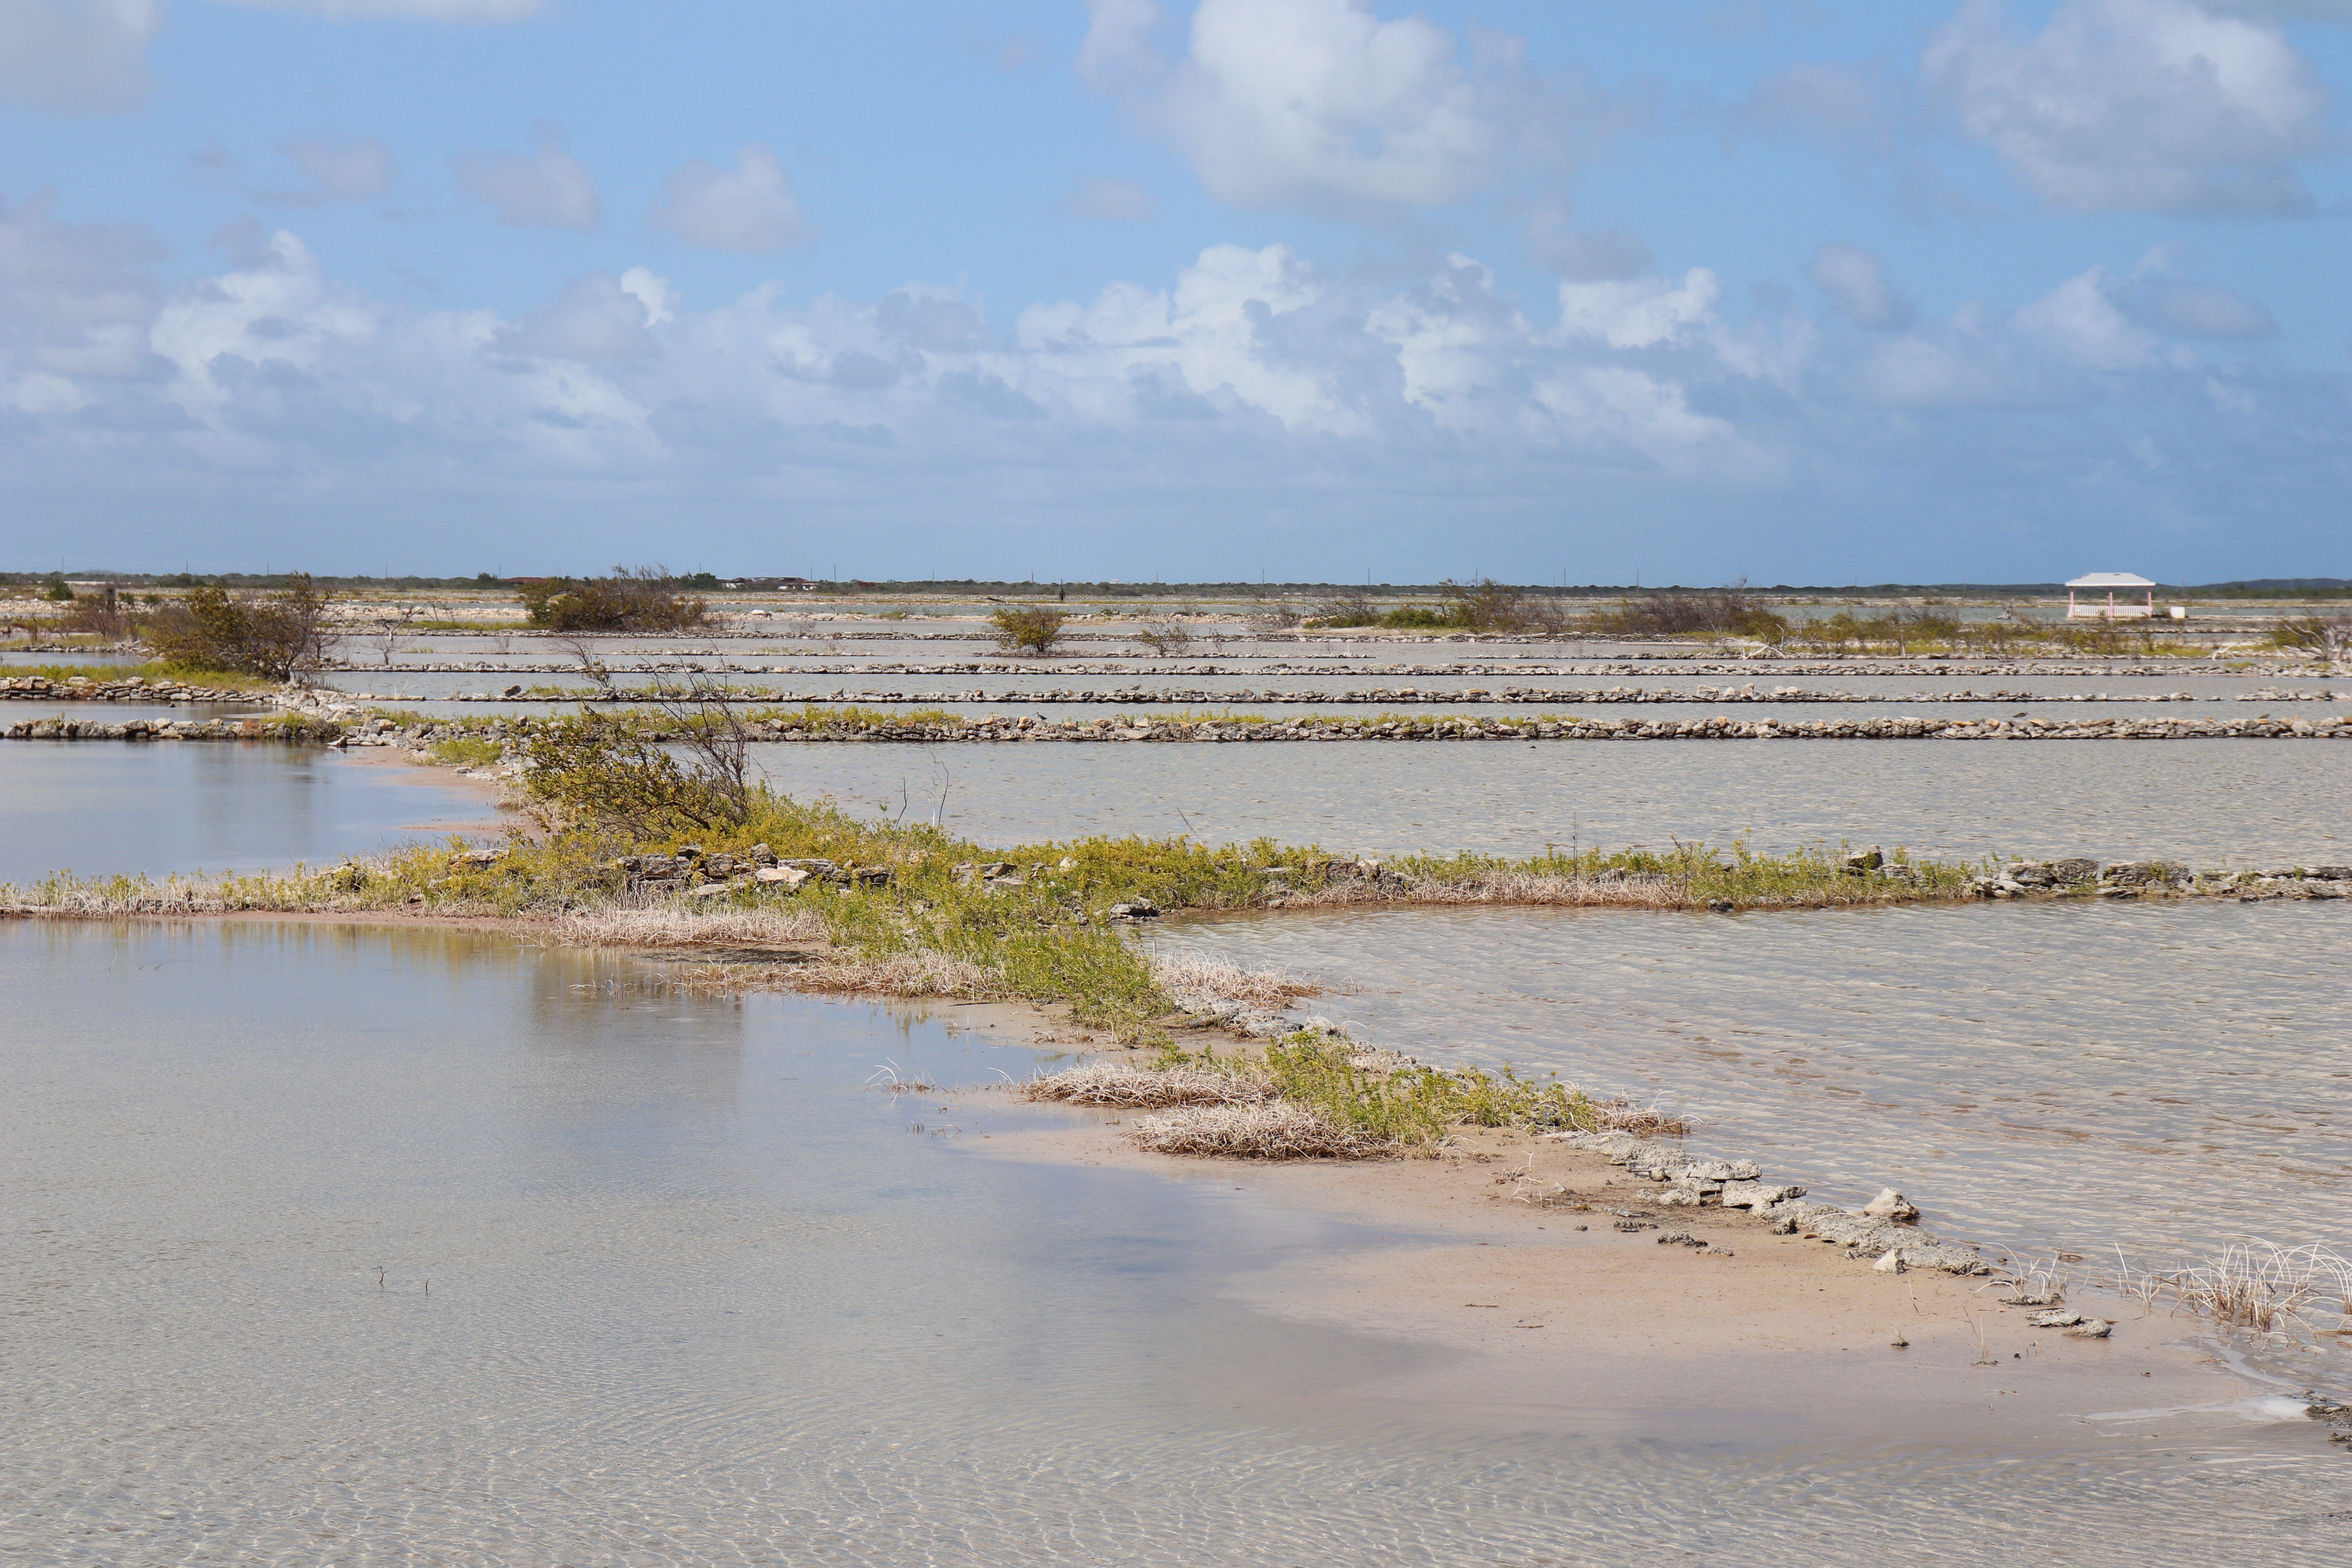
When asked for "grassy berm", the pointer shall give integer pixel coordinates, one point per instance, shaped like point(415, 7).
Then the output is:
point(910, 910)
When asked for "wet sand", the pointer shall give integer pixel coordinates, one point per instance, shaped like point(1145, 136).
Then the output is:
point(1553, 1325)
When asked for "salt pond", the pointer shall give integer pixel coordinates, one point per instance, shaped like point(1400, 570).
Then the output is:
point(696, 1297)
point(103, 808)
point(2202, 801)
point(2165, 1077)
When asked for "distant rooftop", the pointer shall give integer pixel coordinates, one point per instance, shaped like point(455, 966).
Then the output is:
point(2109, 580)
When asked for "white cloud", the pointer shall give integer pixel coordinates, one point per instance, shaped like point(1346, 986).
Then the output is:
point(750, 207)
point(2078, 323)
point(1855, 282)
point(283, 313)
point(1637, 312)
point(2136, 106)
point(339, 169)
point(1280, 102)
point(599, 317)
point(1107, 200)
point(546, 189)
point(1250, 382)
point(77, 56)
point(75, 304)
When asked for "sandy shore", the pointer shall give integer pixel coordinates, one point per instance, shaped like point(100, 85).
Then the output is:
point(1555, 1316)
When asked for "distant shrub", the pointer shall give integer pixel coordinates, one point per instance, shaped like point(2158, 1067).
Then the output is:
point(630, 599)
point(1729, 611)
point(1030, 629)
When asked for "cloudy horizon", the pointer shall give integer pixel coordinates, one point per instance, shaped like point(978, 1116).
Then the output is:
point(1316, 288)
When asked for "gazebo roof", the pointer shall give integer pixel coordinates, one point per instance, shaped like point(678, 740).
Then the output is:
point(2110, 580)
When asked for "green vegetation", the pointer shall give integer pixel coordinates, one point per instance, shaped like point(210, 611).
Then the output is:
point(911, 902)
point(630, 599)
point(270, 634)
point(1413, 1104)
point(1032, 629)
point(1485, 606)
point(466, 751)
point(154, 672)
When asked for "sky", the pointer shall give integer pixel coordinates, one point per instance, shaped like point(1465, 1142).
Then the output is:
point(1547, 290)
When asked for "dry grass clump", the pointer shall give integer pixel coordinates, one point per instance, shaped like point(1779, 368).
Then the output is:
point(673, 927)
point(1174, 971)
point(1139, 1088)
point(1270, 1131)
point(924, 972)
point(2265, 1288)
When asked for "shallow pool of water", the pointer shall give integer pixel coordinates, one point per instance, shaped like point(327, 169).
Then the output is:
point(2168, 1078)
point(102, 807)
point(368, 1246)
point(2201, 801)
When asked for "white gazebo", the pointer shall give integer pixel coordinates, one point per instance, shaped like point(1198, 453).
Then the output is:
point(2110, 584)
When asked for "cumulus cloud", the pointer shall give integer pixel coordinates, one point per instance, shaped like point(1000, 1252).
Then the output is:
point(1634, 313)
point(337, 169)
point(2136, 106)
point(75, 304)
point(1107, 200)
point(750, 207)
point(1855, 282)
point(1280, 102)
point(283, 314)
point(600, 317)
point(77, 57)
point(1249, 372)
point(546, 189)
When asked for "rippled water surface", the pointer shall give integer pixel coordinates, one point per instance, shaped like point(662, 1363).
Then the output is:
point(2170, 1078)
point(2202, 801)
point(361, 1246)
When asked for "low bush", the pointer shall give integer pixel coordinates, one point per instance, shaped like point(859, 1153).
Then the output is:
point(629, 599)
point(270, 634)
point(1027, 630)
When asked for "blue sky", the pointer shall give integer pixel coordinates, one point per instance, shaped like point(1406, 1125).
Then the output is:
point(1309, 288)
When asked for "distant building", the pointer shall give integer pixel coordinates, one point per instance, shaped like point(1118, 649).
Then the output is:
point(2110, 584)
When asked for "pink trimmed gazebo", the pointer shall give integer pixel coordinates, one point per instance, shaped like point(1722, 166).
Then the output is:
point(2109, 583)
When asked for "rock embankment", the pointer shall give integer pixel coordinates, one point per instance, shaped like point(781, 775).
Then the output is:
point(81, 688)
point(1474, 696)
point(1880, 1234)
point(1314, 728)
point(2159, 879)
point(871, 730)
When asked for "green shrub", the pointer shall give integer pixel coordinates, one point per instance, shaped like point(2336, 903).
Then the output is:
point(270, 634)
point(1030, 629)
point(630, 599)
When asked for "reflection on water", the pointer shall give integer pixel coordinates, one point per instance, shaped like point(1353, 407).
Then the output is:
point(694, 1297)
point(2205, 802)
point(2168, 1078)
point(158, 807)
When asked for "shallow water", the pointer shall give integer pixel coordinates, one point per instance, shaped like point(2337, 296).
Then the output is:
point(101, 807)
point(2040, 1077)
point(695, 1297)
point(2202, 801)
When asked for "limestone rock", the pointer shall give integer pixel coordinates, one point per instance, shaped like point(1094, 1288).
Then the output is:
point(1891, 1204)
